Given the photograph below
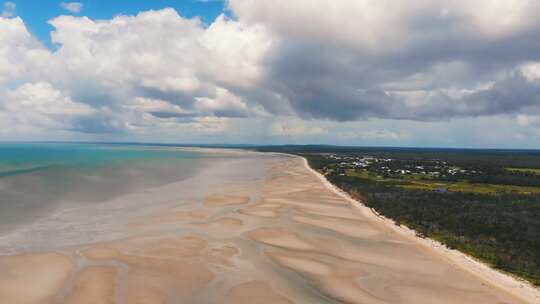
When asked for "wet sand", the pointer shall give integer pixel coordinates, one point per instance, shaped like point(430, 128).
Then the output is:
point(286, 238)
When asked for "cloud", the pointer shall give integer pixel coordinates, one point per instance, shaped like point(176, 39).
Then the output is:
point(294, 128)
point(40, 106)
point(160, 64)
point(385, 135)
point(139, 74)
point(74, 7)
point(528, 120)
point(9, 10)
point(427, 60)
point(285, 69)
point(157, 53)
point(22, 57)
point(223, 104)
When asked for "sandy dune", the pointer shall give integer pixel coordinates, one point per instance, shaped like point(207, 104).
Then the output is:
point(286, 239)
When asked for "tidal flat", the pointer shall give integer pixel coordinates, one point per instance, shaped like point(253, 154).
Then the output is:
point(257, 226)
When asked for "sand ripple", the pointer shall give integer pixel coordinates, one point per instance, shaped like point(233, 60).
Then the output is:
point(285, 239)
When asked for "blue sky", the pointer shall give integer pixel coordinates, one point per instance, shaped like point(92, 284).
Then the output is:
point(36, 13)
point(454, 73)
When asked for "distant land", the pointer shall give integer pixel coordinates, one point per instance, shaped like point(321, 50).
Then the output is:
point(293, 148)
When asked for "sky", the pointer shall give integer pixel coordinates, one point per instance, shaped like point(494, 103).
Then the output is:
point(422, 73)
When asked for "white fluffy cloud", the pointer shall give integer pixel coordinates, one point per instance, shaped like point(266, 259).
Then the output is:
point(292, 66)
point(161, 50)
point(153, 70)
point(74, 7)
point(21, 55)
point(223, 104)
point(39, 106)
point(160, 53)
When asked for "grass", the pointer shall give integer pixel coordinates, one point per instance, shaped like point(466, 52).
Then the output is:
point(414, 183)
point(471, 188)
point(525, 170)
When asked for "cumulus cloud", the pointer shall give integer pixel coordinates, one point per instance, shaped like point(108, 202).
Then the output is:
point(74, 7)
point(22, 57)
point(351, 60)
point(160, 55)
point(223, 104)
point(40, 105)
point(139, 74)
point(360, 59)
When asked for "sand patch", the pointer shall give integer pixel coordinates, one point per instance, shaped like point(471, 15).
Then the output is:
point(259, 292)
point(180, 277)
point(100, 253)
point(176, 248)
point(260, 212)
point(344, 289)
point(341, 213)
point(93, 285)
point(269, 210)
point(302, 264)
point(312, 205)
point(33, 278)
point(166, 269)
point(191, 216)
point(425, 294)
point(342, 226)
point(228, 222)
point(225, 200)
point(269, 205)
point(327, 278)
point(279, 237)
point(222, 255)
point(142, 289)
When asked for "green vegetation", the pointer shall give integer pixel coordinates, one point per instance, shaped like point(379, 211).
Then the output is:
point(483, 203)
point(415, 182)
point(525, 170)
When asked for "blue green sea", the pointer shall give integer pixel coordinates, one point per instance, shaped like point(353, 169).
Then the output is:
point(46, 188)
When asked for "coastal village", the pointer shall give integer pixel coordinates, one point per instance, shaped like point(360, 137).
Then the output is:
point(392, 167)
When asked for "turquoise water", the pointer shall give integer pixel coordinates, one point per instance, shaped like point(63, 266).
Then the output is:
point(22, 158)
point(37, 178)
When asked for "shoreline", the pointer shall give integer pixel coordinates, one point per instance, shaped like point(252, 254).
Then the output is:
point(513, 285)
point(276, 231)
point(127, 206)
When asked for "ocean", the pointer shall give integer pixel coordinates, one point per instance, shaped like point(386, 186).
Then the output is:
point(63, 194)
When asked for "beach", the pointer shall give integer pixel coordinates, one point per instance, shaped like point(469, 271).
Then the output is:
point(260, 228)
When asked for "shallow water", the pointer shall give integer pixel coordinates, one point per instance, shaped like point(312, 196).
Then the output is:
point(54, 195)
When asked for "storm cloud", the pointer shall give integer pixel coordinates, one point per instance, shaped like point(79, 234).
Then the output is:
point(414, 60)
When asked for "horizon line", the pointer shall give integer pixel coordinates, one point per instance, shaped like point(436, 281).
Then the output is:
point(217, 145)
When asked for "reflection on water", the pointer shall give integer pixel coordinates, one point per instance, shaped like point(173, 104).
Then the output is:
point(71, 195)
point(36, 178)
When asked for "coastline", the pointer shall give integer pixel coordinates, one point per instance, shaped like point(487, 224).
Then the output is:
point(270, 229)
point(504, 281)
